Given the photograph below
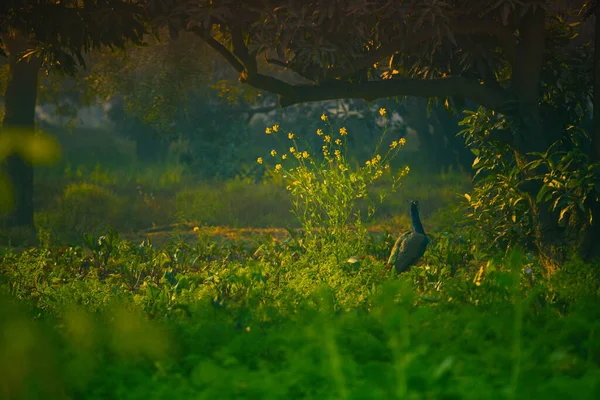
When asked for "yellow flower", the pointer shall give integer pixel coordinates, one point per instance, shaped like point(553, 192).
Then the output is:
point(283, 157)
point(394, 145)
point(337, 153)
point(327, 138)
point(402, 142)
point(259, 160)
point(343, 131)
point(368, 163)
point(290, 135)
point(387, 166)
point(273, 153)
point(338, 142)
point(320, 132)
point(268, 131)
point(288, 187)
point(196, 229)
point(305, 154)
point(278, 167)
point(378, 157)
point(292, 149)
point(275, 128)
point(324, 117)
point(382, 111)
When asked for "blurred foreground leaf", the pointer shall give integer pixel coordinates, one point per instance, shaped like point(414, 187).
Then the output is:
point(35, 147)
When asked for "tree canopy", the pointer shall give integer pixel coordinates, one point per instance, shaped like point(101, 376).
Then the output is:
point(347, 48)
point(61, 32)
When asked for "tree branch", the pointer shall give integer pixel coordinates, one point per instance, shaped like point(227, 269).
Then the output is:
point(277, 62)
point(245, 64)
point(229, 57)
point(450, 86)
point(241, 50)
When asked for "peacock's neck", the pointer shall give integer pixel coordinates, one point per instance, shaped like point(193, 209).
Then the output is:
point(416, 221)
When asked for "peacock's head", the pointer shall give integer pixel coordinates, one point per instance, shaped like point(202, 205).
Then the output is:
point(414, 208)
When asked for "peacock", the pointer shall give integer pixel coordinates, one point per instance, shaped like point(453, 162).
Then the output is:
point(409, 247)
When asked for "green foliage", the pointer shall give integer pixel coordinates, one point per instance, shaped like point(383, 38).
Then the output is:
point(570, 184)
point(86, 207)
point(82, 28)
point(120, 320)
point(235, 203)
point(499, 210)
point(566, 182)
point(327, 190)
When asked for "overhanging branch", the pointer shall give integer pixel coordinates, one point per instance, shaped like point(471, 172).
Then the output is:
point(230, 58)
point(245, 64)
point(241, 50)
point(443, 87)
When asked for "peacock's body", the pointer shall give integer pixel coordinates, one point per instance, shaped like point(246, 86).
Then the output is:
point(409, 247)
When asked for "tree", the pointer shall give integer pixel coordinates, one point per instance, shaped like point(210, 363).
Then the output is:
point(493, 53)
point(52, 35)
point(178, 92)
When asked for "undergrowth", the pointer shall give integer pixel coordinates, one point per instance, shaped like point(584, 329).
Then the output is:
point(114, 319)
point(296, 318)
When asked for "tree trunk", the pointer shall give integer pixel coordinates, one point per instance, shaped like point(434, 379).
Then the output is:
point(446, 124)
point(530, 135)
point(437, 139)
point(595, 155)
point(20, 100)
point(590, 237)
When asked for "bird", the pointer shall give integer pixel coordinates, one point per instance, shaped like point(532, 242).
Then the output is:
point(411, 246)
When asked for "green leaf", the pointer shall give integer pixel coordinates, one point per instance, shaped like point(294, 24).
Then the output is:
point(40, 149)
point(542, 193)
point(564, 212)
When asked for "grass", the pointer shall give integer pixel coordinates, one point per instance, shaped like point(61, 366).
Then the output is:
point(90, 199)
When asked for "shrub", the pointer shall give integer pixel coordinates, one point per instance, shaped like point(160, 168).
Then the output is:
point(235, 203)
point(87, 208)
point(328, 191)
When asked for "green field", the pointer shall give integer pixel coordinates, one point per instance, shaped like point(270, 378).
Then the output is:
point(206, 309)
